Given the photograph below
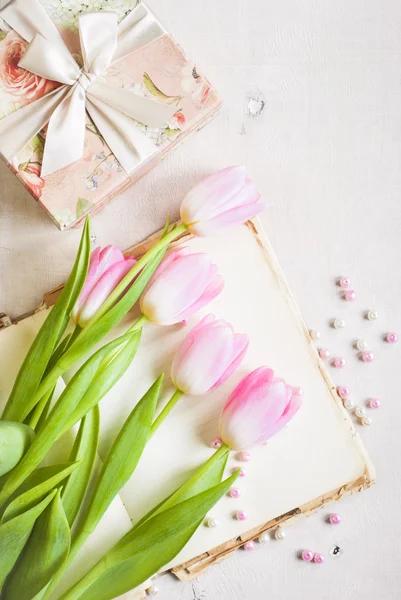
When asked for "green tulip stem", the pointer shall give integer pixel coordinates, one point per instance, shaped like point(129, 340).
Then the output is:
point(136, 269)
point(166, 411)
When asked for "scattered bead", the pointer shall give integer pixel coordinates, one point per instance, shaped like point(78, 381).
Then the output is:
point(241, 515)
point(367, 421)
point(307, 555)
point(279, 534)
point(250, 545)
point(264, 538)
point(372, 315)
point(216, 443)
point(244, 456)
point(368, 356)
point(335, 519)
point(350, 295)
point(374, 403)
point(324, 353)
point(153, 590)
point(242, 471)
point(360, 412)
point(318, 558)
point(361, 345)
point(345, 282)
point(297, 391)
point(235, 492)
point(315, 335)
point(184, 322)
point(339, 323)
point(343, 391)
point(212, 522)
point(339, 362)
point(348, 404)
point(392, 337)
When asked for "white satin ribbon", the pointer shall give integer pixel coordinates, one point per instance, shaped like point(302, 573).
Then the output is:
point(103, 43)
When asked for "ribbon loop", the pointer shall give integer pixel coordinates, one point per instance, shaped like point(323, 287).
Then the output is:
point(103, 43)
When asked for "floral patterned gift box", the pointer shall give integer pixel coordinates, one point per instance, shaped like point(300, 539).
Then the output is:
point(158, 70)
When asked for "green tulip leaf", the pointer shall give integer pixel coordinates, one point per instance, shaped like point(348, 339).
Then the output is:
point(123, 456)
point(15, 533)
point(36, 361)
point(84, 449)
point(143, 551)
point(208, 475)
point(44, 553)
point(88, 386)
point(35, 494)
point(15, 441)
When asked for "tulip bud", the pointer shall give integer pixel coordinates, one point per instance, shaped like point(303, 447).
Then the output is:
point(209, 354)
point(107, 268)
point(224, 199)
point(181, 285)
point(258, 408)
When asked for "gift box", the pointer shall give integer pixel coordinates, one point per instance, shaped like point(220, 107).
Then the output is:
point(157, 70)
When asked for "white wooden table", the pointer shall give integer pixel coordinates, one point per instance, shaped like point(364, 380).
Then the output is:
point(326, 154)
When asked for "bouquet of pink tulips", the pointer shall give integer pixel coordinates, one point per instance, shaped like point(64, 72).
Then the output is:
point(40, 533)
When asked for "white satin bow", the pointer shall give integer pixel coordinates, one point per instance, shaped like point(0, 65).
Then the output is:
point(103, 43)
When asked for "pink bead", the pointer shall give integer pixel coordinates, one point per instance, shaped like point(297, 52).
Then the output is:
point(241, 515)
point(343, 391)
point(319, 558)
point(339, 362)
point(183, 322)
point(368, 356)
point(335, 519)
point(297, 391)
point(350, 295)
point(392, 337)
point(307, 555)
point(374, 403)
point(216, 443)
point(249, 545)
point(242, 471)
point(324, 353)
point(244, 456)
point(345, 282)
point(235, 492)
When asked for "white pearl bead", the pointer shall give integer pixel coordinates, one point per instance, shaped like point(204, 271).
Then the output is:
point(360, 412)
point(348, 404)
point(279, 534)
point(212, 522)
point(366, 421)
point(153, 590)
point(339, 323)
point(373, 315)
point(315, 335)
point(361, 345)
point(264, 538)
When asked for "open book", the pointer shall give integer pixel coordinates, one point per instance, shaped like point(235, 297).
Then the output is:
point(285, 478)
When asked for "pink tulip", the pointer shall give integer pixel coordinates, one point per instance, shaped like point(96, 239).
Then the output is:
point(181, 285)
point(107, 268)
point(259, 407)
point(209, 354)
point(224, 199)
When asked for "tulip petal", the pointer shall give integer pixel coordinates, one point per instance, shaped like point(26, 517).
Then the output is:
point(103, 288)
point(252, 410)
point(211, 292)
point(213, 194)
point(291, 409)
point(240, 347)
point(178, 288)
point(205, 361)
point(233, 217)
